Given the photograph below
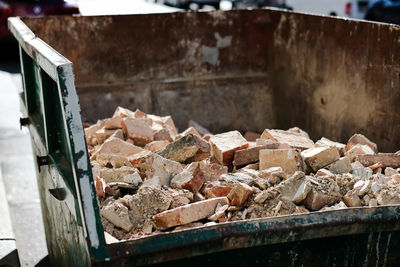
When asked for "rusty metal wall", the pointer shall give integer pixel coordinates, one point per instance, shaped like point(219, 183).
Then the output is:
point(246, 70)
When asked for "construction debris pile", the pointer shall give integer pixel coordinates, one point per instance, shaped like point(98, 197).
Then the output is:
point(151, 179)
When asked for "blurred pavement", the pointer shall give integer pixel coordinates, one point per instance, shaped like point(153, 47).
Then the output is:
point(18, 187)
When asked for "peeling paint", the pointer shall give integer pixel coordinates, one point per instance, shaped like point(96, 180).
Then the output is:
point(72, 114)
point(223, 42)
point(211, 54)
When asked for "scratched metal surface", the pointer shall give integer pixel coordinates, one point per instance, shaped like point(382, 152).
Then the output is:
point(246, 70)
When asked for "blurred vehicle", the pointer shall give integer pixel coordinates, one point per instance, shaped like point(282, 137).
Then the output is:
point(343, 8)
point(192, 4)
point(384, 11)
point(258, 3)
point(32, 8)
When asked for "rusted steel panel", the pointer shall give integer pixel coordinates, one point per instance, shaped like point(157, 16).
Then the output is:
point(330, 76)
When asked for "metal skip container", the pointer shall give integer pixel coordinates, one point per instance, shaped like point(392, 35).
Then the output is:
point(245, 70)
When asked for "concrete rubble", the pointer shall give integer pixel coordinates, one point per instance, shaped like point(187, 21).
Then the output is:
point(150, 178)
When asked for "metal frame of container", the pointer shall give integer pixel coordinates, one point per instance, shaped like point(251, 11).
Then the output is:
point(71, 216)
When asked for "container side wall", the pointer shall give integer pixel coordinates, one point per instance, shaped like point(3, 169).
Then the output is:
point(330, 76)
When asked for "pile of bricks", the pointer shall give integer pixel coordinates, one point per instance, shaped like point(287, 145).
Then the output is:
point(150, 178)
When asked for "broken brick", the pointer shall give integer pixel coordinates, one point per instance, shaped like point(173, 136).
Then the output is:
point(179, 197)
point(156, 145)
point(293, 139)
point(117, 147)
point(219, 213)
point(289, 160)
point(155, 166)
point(286, 190)
point(351, 199)
point(358, 150)
point(389, 171)
point(299, 131)
point(342, 165)
point(239, 194)
point(163, 134)
point(138, 129)
point(90, 133)
point(324, 172)
point(301, 192)
point(362, 140)
point(117, 214)
point(388, 197)
point(189, 178)
point(216, 189)
point(262, 142)
point(326, 142)
point(360, 171)
point(364, 188)
point(185, 148)
point(224, 145)
point(386, 159)
point(337, 206)
point(119, 134)
point(123, 112)
point(212, 171)
point(114, 160)
point(376, 166)
point(167, 123)
point(251, 154)
point(139, 114)
point(324, 192)
point(318, 157)
point(188, 213)
point(123, 174)
point(316, 200)
point(113, 123)
point(238, 177)
point(273, 171)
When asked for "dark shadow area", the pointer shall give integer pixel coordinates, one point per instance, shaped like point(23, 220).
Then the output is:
point(332, 251)
point(10, 260)
point(45, 262)
point(9, 55)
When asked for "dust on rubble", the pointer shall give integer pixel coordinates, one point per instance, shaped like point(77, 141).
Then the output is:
point(150, 178)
